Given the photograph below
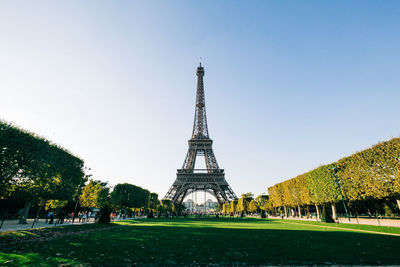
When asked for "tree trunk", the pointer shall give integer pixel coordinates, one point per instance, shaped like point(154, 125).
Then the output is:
point(76, 205)
point(398, 203)
point(298, 206)
point(25, 213)
point(38, 211)
point(334, 213)
point(285, 208)
point(318, 211)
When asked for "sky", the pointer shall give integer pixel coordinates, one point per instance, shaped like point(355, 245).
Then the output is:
point(289, 85)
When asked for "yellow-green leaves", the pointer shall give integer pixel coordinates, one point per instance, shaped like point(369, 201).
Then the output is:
point(371, 173)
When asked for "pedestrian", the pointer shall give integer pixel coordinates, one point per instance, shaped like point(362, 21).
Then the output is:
point(51, 217)
point(60, 217)
point(48, 216)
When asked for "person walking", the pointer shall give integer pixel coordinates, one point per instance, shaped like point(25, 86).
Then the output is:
point(48, 216)
point(51, 217)
point(60, 217)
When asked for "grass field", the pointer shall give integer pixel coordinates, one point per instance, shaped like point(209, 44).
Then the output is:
point(191, 241)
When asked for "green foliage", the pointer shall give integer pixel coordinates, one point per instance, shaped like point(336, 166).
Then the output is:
point(373, 173)
point(234, 206)
point(55, 204)
point(166, 205)
point(264, 203)
point(226, 208)
point(276, 195)
point(322, 185)
point(130, 196)
point(244, 202)
point(95, 194)
point(248, 195)
point(387, 210)
point(261, 199)
point(154, 202)
point(33, 168)
point(253, 207)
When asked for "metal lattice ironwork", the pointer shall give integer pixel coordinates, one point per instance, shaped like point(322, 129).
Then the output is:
point(211, 179)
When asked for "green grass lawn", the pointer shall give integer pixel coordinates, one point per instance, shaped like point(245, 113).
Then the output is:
point(201, 242)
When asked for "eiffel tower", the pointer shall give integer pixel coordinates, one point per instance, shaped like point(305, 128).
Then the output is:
point(189, 179)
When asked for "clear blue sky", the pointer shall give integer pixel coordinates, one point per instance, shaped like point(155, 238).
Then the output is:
point(289, 85)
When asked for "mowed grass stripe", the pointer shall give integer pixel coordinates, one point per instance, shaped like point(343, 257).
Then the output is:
point(342, 228)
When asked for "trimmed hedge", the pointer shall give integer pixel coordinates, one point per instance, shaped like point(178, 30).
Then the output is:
point(373, 173)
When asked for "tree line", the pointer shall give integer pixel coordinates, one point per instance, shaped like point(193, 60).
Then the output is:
point(246, 204)
point(125, 198)
point(36, 173)
point(368, 180)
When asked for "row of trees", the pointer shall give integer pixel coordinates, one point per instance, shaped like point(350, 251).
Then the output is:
point(124, 197)
point(32, 169)
point(246, 204)
point(370, 177)
point(37, 173)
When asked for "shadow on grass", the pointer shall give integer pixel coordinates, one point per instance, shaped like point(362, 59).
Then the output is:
point(193, 242)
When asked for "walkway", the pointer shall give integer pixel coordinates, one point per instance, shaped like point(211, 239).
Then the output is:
point(13, 225)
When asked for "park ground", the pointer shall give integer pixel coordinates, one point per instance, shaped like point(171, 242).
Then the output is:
point(202, 241)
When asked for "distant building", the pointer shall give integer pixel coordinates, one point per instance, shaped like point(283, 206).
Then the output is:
point(211, 204)
point(189, 204)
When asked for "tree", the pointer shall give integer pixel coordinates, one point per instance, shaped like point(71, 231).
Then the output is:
point(322, 185)
point(233, 206)
point(154, 202)
point(32, 168)
point(371, 174)
point(129, 196)
point(276, 196)
point(248, 195)
point(253, 207)
point(225, 208)
point(243, 202)
point(167, 205)
point(55, 204)
point(261, 200)
point(94, 194)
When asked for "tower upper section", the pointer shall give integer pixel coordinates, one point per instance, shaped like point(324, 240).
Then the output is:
point(200, 129)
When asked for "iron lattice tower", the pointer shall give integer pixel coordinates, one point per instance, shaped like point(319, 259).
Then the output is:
point(211, 179)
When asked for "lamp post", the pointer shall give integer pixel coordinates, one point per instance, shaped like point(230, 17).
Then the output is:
point(334, 170)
